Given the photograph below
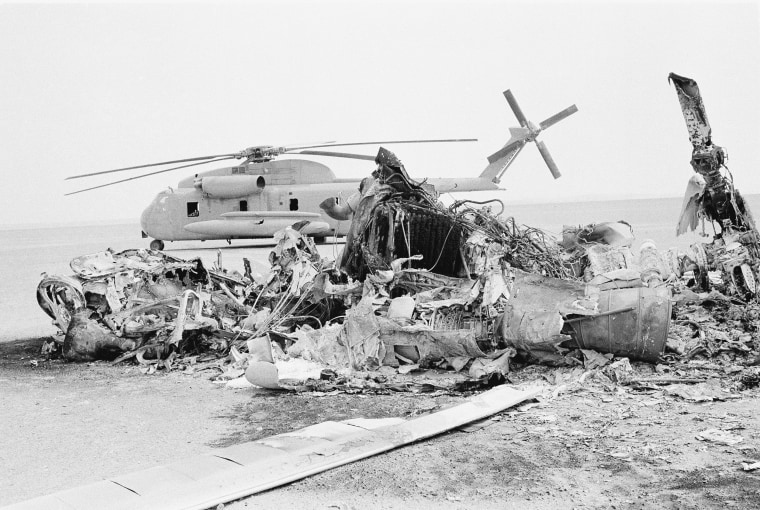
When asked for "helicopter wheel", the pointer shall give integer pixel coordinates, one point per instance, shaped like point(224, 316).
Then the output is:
point(157, 244)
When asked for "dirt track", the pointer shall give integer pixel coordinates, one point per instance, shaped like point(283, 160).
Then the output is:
point(70, 424)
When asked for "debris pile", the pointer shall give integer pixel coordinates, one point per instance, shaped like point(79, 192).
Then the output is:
point(141, 303)
point(420, 286)
point(711, 198)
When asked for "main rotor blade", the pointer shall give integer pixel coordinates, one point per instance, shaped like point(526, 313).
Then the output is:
point(145, 175)
point(558, 117)
point(505, 150)
point(338, 155)
point(385, 142)
point(515, 108)
point(151, 164)
point(309, 144)
point(548, 159)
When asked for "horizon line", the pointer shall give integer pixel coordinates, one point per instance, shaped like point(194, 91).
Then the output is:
point(126, 221)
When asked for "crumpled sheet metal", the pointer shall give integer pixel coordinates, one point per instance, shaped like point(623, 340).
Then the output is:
point(292, 247)
point(106, 263)
point(59, 296)
point(366, 341)
point(442, 330)
point(534, 307)
point(322, 345)
point(428, 286)
point(630, 322)
point(691, 213)
point(532, 321)
point(430, 344)
point(610, 233)
point(604, 259)
point(361, 336)
point(127, 299)
point(617, 279)
point(567, 297)
point(530, 330)
point(370, 340)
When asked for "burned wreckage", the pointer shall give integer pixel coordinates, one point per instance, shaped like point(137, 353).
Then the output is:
point(711, 197)
point(418, 285)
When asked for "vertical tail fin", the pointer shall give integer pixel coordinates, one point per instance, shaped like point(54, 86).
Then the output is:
point(496, 169)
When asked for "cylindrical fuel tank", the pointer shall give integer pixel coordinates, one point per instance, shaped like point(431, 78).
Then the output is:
point(640, 332)
point(232, 186)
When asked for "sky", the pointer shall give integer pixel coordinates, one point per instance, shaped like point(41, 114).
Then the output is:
point(86, 87)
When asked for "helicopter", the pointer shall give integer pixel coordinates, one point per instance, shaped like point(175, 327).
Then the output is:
point(263, 194)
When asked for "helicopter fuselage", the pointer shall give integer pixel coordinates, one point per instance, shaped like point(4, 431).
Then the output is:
point(255, 200)
point(247, 201)
point(262, 195)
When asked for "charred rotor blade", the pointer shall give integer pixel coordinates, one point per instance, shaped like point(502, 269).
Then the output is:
point(515, 108)
point(558, 117)
point(226, 156)
point(338, 155)
point(146, 175)
point(549, 160)
point(693, 110)
point(381, 142)
point(504, 151)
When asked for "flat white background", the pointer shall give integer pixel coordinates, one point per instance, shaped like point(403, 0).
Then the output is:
point(92, 87)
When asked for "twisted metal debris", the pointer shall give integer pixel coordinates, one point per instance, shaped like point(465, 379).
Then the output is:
point(420, 285)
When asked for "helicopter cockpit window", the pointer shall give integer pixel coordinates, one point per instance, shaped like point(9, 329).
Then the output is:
point(244, 205)
point(293, 204)
point(192, 210)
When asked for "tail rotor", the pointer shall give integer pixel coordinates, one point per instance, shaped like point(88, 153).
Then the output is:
point(500, 160)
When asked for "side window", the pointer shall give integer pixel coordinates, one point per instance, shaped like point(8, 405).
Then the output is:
point(244, 205)
point(192, 210)
point(293, 204)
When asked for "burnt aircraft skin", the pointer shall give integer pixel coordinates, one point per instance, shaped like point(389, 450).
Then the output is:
point(721, 201)
point(735, 251)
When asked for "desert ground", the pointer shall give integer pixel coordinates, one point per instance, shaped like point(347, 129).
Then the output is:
point(587, 444)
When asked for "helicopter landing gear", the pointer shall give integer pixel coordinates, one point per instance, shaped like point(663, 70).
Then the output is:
point(157, 244)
